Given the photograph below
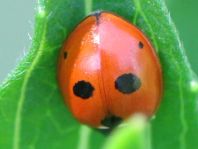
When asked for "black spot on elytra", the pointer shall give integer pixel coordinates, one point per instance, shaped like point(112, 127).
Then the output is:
point(65, 55)
point(127, 83)
point(141, 45)
point(83, 89)
point(111, 121)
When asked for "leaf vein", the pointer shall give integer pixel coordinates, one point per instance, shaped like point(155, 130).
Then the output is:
point(184, 124)
point(180, 82)
point(139, 9)
point(88, 6)
point(84, 137)
point(17, 126)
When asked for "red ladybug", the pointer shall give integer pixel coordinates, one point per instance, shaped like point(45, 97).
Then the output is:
point(108, 70)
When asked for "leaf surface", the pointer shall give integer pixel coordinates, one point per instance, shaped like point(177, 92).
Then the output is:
point(134, 135)
point(32, 112)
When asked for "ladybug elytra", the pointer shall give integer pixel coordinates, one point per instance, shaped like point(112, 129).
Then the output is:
point(108, 70)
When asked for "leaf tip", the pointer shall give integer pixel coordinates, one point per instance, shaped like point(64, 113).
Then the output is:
point(194, 85)
point(41, 8)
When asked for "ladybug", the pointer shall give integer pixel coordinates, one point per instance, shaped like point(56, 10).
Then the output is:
point(108, 70)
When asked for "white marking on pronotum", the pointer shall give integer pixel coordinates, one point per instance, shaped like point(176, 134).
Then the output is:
point(103, 127)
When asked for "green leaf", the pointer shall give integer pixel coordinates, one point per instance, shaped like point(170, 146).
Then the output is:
point(134, 135)
point(32, 112)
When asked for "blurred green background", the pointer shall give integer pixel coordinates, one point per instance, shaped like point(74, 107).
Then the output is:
point(17, 21)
